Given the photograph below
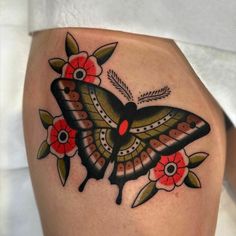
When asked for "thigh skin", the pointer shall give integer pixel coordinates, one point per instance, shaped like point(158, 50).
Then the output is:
point(148, 67)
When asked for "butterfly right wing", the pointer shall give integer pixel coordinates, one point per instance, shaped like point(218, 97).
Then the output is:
point(86, 106)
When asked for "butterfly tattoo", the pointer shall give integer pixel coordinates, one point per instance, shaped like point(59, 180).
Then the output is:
point(133, 138)
point(130, 138)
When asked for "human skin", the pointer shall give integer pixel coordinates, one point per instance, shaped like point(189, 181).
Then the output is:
point(144, 63)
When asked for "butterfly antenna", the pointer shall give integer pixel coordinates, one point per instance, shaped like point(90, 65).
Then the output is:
point(154, 95)
point(120, 85)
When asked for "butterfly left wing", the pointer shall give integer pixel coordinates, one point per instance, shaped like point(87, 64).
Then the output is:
point(168, 129)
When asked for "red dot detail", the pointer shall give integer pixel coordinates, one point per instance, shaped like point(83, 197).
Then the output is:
point(123, 127)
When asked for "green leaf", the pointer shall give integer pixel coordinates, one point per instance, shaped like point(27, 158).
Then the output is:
point(147, 192)
point(44, 150)
point(192, 180)
point(46, 118)
point(57, 64)
point(71, 45)
point(196, 159)
point(104, 53)
point(63, 167)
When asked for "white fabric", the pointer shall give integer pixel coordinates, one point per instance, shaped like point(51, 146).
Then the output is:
point(211, 22)
point(18, 212)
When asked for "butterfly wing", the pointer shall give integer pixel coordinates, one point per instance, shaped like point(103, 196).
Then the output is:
point(94, 112)
point(168, 129)
point(85, 106)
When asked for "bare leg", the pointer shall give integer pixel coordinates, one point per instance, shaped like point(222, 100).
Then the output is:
point(144, 64)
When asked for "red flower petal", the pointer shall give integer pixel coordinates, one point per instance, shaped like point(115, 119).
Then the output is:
point(55, 145)
point(71, 141)
point(180, 179)
point(63, 124)
point(170, 181)
point(181, 164)
point(72, 152)
point(92, 80)
point(51, 132)
point(68, 147)
point(58, 147)
point(164, 160)
point(61, 148)
point(178, 157)
point(68, 129)
point(89, 79)
point(163, 180)
point(181, 159)
point(79, 60)
point(159, 166)
point(67, 71)
point(53, 139)
point(57, 124)
point(72, 133)
point(91, 66)
point(180, 171)
point(177, 177)
point(158, 173)
point(171, 157)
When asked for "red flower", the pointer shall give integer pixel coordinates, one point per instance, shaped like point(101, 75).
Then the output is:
point(61, 138)
point(170, 171)
point(82, 67)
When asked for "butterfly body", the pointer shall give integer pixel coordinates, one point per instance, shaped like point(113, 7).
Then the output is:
point(126, 119)
point(111, 132)
point(121, 133)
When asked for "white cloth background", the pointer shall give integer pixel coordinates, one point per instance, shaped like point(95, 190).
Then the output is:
point(18, 212)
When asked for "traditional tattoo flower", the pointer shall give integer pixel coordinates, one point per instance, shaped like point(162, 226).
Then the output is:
point(82, 67)
point(80, 64)
point(170, 171)
point(61, 138)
